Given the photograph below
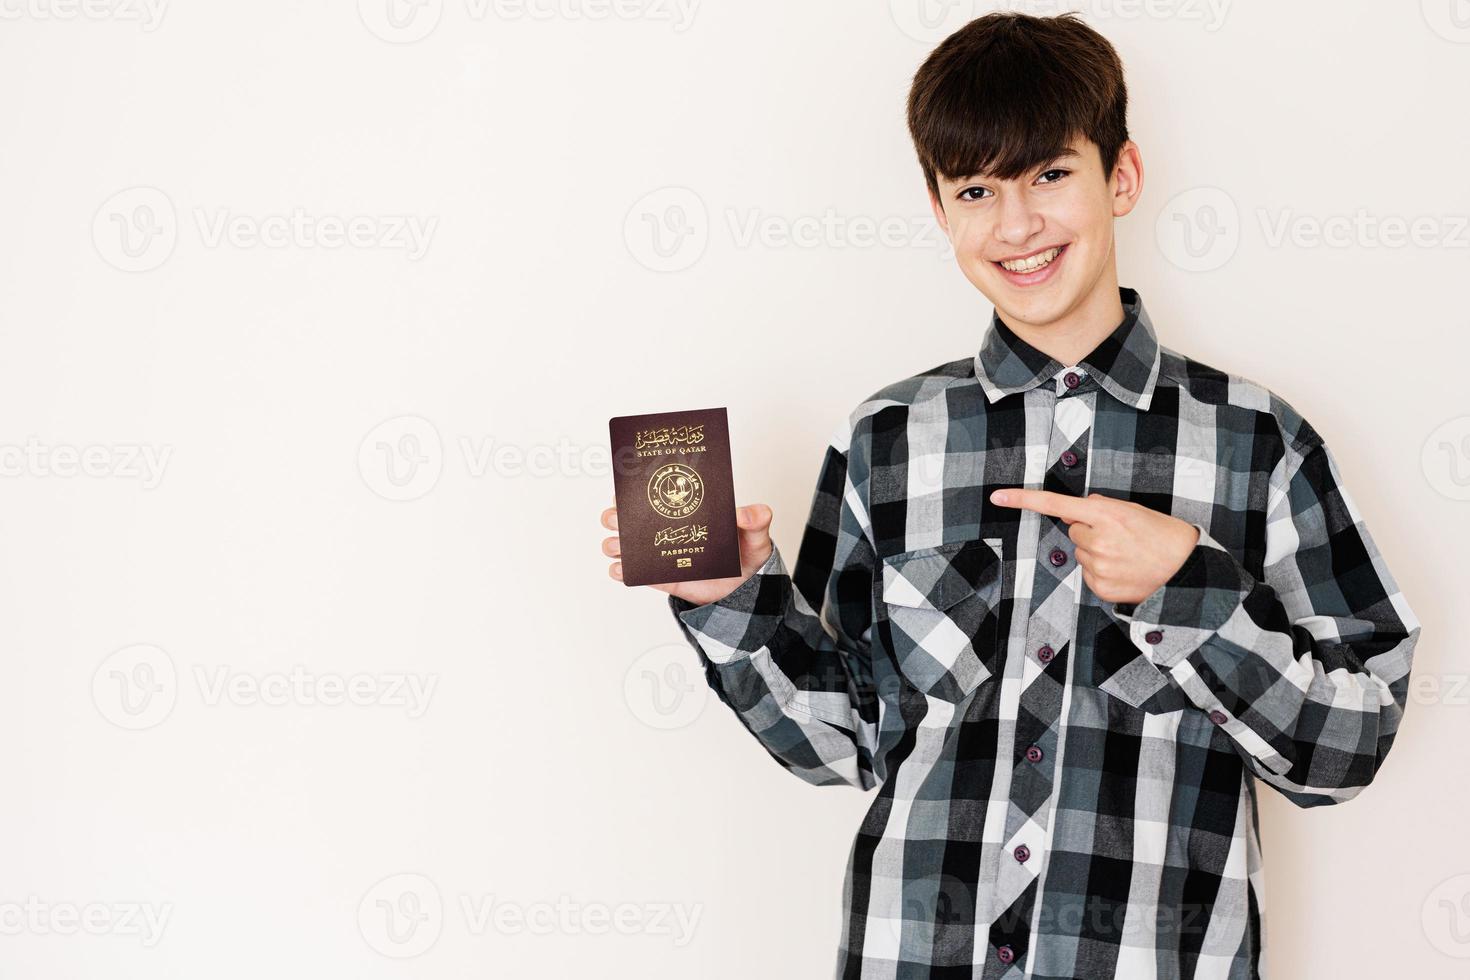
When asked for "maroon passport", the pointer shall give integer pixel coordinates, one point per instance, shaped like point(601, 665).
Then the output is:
point(675, 495)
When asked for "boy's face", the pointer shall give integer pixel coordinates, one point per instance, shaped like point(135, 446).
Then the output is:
point(1065, 204)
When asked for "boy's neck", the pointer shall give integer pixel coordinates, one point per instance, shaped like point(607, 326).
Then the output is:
point(1073, 336)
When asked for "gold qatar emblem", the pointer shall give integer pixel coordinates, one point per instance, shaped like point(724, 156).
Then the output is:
point(675, 490)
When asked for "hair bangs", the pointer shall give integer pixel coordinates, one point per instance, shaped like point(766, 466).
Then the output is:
point(1010, 92)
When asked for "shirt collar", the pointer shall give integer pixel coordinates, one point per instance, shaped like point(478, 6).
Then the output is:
point(1125, 363)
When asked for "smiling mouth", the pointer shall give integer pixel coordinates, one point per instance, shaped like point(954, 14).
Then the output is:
point(1032, 263)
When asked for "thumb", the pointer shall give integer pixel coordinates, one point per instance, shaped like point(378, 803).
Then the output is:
point(754, 522)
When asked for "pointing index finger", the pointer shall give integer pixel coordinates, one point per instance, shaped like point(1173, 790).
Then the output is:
point(1062, 505)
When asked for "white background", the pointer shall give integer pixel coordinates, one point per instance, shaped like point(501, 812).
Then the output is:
point(170, 632)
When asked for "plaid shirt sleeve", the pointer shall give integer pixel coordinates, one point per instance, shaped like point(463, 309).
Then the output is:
point(791, 654)
point(1306, 668)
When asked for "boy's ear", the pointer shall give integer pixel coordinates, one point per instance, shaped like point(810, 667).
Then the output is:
point(1129, 176)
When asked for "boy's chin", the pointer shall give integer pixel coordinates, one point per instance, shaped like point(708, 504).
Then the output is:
point(1030, 304)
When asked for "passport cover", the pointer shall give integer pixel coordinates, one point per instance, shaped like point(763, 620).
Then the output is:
point(675, 495)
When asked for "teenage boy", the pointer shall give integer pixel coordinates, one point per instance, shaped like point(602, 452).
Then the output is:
point(1064, 601)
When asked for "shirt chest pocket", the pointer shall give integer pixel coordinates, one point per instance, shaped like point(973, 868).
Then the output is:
point(938, 610)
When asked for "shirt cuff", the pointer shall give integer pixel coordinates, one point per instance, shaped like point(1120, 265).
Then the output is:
point(1181, 615)
point(743, 621)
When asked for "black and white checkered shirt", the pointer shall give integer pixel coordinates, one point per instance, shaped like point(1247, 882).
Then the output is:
point(1066, 786)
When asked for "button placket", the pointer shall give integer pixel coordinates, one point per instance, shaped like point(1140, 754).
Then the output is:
point(1051, 611)
point(1045, 622)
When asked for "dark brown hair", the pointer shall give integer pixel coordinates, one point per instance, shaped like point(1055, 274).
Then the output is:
point(1008, 91)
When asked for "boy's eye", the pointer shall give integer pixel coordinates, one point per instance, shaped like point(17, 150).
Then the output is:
point(978, 193)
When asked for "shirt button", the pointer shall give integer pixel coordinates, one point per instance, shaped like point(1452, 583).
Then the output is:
point(1072, 379)
point(1033, 754)
point(1069, 458)
point(1005, 954)
point(1022, 852)
point(1219, 717)
point(1045, 654)
point(1058, 557)
point(1154, 636)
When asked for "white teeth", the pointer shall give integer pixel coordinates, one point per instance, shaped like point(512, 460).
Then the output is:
point(1034, 262)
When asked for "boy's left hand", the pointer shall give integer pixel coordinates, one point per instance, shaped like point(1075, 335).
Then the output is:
point(1125, 549)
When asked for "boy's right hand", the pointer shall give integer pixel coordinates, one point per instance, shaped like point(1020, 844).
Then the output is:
point(754, 523)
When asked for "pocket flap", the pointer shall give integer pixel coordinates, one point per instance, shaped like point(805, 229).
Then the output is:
point(1136, 682)
point(939, 577)
point(1123, 671)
